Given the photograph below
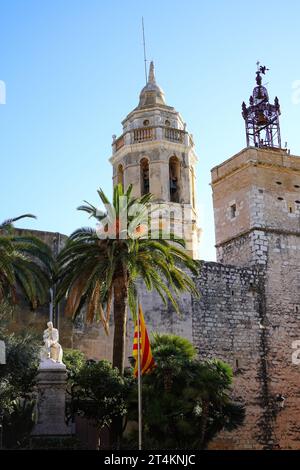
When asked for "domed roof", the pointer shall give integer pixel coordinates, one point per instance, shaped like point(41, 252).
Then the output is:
point(151, 95)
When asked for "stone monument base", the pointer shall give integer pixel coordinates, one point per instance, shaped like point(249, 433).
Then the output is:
point(51, 383)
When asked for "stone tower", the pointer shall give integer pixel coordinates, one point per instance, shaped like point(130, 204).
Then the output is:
point(155, 154)
point(256, 193)
point(256, 198)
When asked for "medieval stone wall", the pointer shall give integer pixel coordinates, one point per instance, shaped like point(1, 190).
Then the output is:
point(264, 185)
point(282, 328)
point(246, 316)
point(279, 258)
point(223, 323)
point(226, 325)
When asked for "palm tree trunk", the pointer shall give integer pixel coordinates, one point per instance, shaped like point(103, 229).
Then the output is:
point(120, 320)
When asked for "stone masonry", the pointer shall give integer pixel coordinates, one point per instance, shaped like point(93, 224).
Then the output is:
point(224, 322)
point(248, 313)
point(263, 186)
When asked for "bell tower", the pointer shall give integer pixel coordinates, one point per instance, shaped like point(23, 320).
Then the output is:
point(256, 193)
point(155, 153)
point(256, 198)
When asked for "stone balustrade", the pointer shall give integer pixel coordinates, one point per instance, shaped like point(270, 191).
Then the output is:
point(145, 134)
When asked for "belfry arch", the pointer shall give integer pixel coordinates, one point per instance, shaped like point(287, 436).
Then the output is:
point(144, 175)
point(174, 179)
point(120, 175)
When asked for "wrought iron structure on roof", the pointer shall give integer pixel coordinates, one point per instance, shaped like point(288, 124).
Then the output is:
point(261, 117)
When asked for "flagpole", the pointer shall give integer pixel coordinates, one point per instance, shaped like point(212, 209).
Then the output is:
point(139, 381)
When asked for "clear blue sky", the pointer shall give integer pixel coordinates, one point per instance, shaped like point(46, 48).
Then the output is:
point(74, 69)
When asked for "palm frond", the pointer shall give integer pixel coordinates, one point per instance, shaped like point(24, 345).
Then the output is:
point(88, 266)
point(7, 223)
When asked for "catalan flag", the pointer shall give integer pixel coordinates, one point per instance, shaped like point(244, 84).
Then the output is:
point(147, 361)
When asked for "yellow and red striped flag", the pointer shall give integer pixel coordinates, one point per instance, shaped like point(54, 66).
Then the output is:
point(147, 360)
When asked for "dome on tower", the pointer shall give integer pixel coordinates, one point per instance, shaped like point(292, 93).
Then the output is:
point(151, 95)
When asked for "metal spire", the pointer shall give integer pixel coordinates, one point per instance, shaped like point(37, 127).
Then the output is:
point(144, 44)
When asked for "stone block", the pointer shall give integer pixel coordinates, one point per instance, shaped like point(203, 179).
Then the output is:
point(51, 384)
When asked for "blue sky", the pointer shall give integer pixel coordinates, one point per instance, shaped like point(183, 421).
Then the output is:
point(74, 69)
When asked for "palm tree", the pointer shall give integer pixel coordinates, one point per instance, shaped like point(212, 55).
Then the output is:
point(100, 271)
point(25, 262)
point(172, 352)
point(187, 401)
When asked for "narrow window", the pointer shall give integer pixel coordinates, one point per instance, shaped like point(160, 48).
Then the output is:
point(120, 176)
point(145, 185)
point(233, 211)
point(296, 186)
point(278, 182)
point(280, 198)
point(174, 178)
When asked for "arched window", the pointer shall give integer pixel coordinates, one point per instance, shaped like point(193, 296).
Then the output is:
point(145, 184)
point(120, 175)
point(174, 179)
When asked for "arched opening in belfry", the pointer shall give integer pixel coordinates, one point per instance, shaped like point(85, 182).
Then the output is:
point(120, 175)
point(174, 179)
point(145, 182)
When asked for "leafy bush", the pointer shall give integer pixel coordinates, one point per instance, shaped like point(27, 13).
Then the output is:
point(18, 424)
point(17, 381)
point(74, 360)
point(99, 392)
point(186, 402)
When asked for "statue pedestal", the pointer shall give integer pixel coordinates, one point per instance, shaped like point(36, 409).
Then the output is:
point(51, 383)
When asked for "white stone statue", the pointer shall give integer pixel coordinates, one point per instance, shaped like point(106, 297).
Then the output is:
point(52, 350)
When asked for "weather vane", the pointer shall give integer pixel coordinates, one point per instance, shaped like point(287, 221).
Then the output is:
point(261, 68)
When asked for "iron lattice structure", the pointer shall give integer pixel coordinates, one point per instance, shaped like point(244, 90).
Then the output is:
point(261, 117)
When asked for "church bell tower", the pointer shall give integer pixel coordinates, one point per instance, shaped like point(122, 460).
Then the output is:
point(155, 153)
point(256, 193)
